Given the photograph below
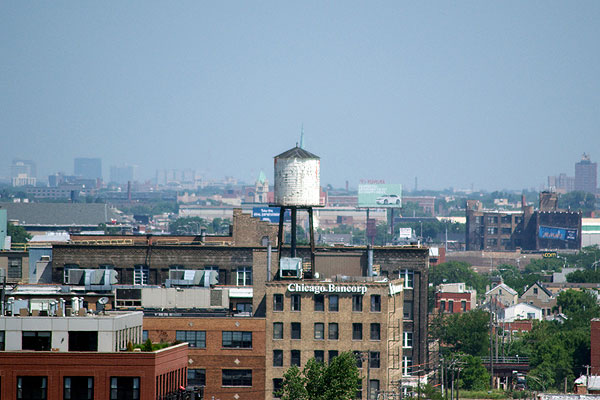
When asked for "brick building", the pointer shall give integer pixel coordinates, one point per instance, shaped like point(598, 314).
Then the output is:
point(80, 357)
point(454, 298)
point(546, 228)
point(321, 319)
point(226, 355)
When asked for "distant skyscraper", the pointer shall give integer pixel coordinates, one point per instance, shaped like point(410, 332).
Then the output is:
point(586, 175)
point(122, 174)
point(23, 173)
point(20, 167)
point(88, 168)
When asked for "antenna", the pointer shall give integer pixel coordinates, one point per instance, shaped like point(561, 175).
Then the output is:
point(302, 136)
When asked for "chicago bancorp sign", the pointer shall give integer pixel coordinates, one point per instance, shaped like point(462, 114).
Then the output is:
point(328, 288)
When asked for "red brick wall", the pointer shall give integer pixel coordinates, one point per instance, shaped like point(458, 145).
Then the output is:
point(214, 358)
point(102, 366)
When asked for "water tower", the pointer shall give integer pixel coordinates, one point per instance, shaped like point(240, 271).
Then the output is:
point(297, 186)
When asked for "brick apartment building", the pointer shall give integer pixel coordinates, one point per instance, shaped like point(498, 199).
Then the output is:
point(82, 356)
point(226, 355)
point(546, 228)
point(454, 298)
point(321, 319)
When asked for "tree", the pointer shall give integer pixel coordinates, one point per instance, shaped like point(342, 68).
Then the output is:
point(580, 307)
point(578, 201)
point(465, 332)
point(474, 376)
point(17, 234)
point(339, 380)
point(456, 272)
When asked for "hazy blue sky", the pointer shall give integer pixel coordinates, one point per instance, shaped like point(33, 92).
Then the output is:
point(490, 94)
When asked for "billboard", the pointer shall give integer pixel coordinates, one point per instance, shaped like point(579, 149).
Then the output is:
point(379, 195)
point(548, 232)
point(270, 214)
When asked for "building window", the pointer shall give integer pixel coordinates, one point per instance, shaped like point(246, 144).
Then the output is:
point(406, 365)
point(32, 387)
point(492, 242)
point(277, 330)
point(278, 358)
point(244, 276)
point(492, 220)
point(36, 340)
point(375, 303)
point(319, 302)
point(408, 277)
point(357, 302)
point(358, 357)
point(334, 302)
point(140, 274)
point(463, 305)
point(236, 377)
point(375, 331)
point(277, 302)
point(2, 341)
point(357, 331)
point(194, 338)
point(296, 302)
point(196, 377)
point(83, 340)
point(442, 307)
point(408, 310)
point(535, 290)
point(492, 230)
point(296, 330)
point(78, 388)
point(144, 335)
point(319, 330)
point(373, 389)
point(295, 357)
point(124, 388)
point(408, 340)
point(237, 340)
point(374, 359)
point(15, 270)
point(277, 387)
point(450, 306)
point(332, 354)
point(319, 356)
point(333, 331)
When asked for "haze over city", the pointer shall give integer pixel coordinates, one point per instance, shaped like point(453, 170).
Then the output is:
point(489, 95)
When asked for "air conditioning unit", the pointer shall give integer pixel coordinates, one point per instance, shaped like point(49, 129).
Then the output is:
point(290, 267)
point(75, 276)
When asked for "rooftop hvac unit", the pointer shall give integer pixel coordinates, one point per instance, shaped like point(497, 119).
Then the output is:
point(189, 277)
point(290, 267)
point(75, 276)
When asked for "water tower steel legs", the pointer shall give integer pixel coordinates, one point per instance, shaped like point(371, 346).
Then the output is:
point(281, 236)
point(293, 249)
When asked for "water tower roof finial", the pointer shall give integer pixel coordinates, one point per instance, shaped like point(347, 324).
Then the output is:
point(297, 152)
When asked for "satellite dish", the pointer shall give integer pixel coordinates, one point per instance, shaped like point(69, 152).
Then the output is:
point(103, 300)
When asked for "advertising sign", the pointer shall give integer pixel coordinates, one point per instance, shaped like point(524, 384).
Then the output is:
point(270, 214)
point(548, 232)
point(379, 195)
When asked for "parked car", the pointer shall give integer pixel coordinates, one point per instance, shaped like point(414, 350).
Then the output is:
point(388, 199)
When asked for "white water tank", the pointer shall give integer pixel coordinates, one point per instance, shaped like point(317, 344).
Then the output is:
point(297, 178)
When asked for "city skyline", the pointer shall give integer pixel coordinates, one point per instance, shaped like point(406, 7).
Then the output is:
point(489, 96)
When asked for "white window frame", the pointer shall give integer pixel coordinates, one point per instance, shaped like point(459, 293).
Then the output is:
point(141, 273)
point(408, 276)
point(244, 276)
point(407, 340)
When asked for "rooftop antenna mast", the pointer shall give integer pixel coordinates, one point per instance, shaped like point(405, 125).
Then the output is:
point(302, 136)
